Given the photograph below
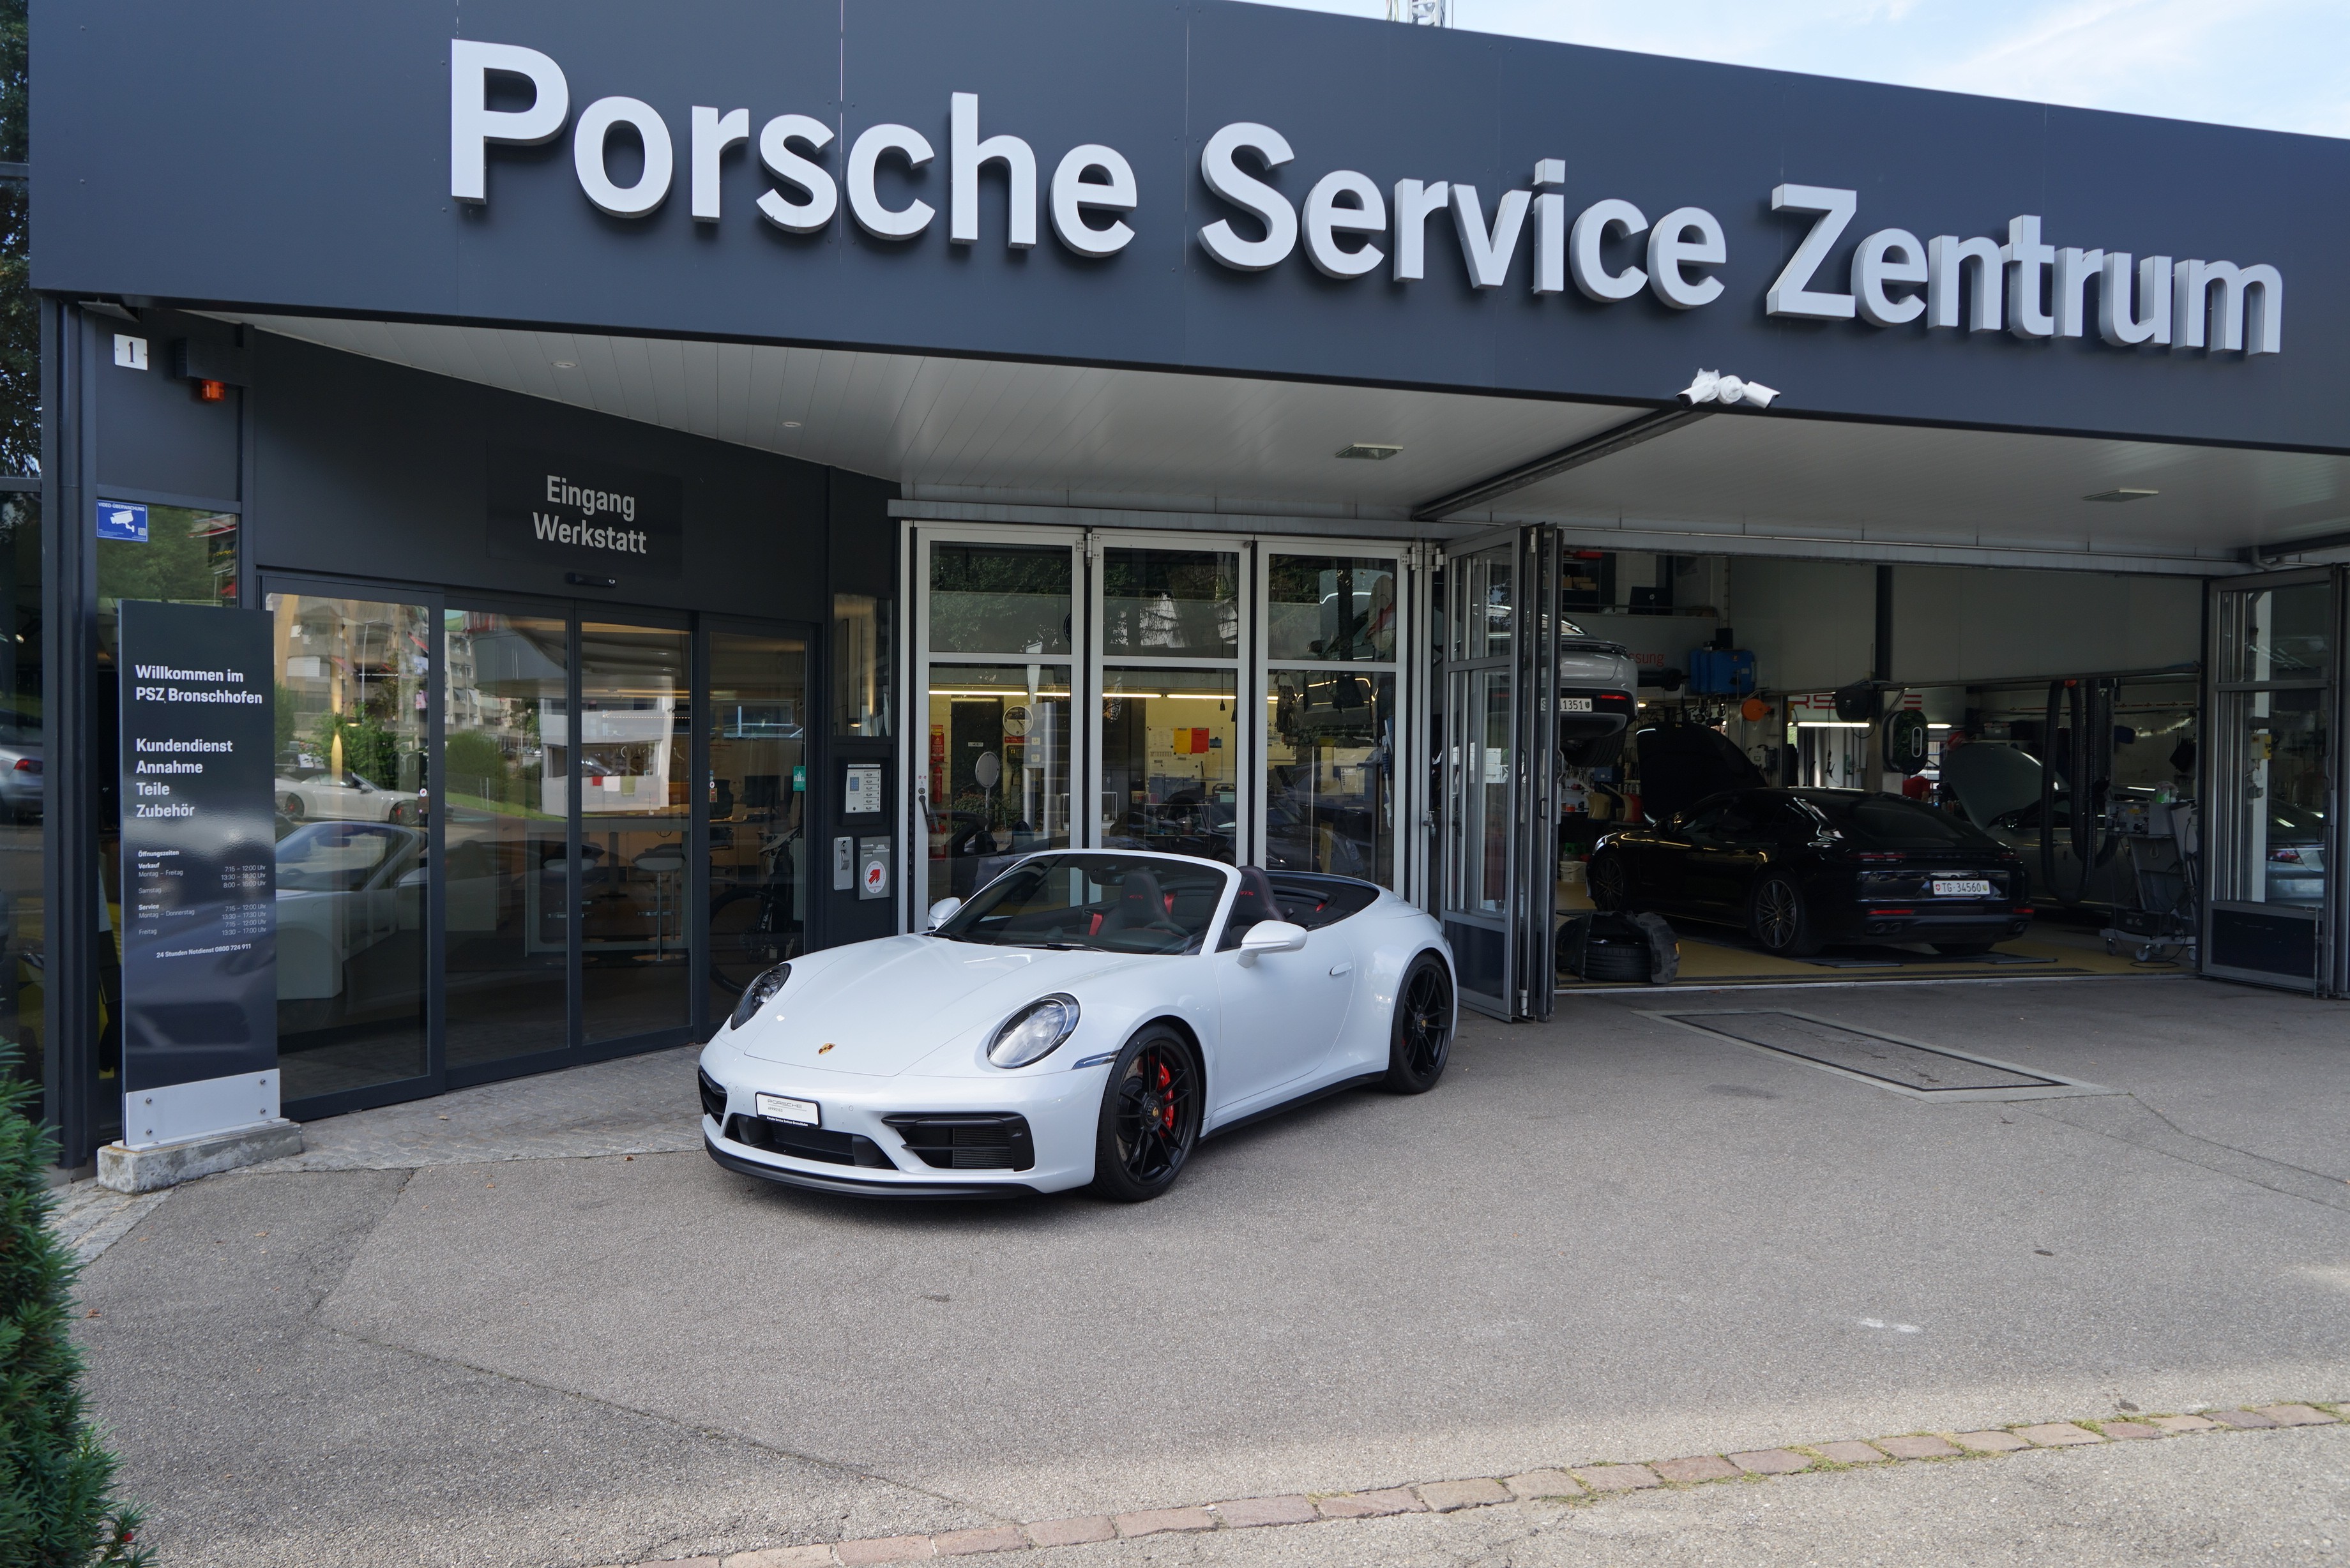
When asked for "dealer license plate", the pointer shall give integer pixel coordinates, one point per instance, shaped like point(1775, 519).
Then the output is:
point(1960, 889)
point(1574, 705)
point(783, 1109)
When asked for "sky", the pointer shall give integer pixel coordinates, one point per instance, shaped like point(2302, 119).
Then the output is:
point(2277, 65)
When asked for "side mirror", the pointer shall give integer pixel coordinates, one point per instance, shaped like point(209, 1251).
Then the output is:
point(1271, 937)
point(941, 913)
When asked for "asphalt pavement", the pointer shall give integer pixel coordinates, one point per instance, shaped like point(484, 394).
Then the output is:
point(1607, 1237)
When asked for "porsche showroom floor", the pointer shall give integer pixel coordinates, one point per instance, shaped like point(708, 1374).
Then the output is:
point(532, 1323)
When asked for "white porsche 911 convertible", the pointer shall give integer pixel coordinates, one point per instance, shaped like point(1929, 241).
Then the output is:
point(1086, 1018)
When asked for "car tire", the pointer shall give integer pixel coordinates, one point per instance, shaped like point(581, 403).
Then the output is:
point(1963, 949)
point(1778, 919)
point(1609, 883)
point(293, 808)
point(1420, 1036)
point(1151, 1114)
point(1617, 959)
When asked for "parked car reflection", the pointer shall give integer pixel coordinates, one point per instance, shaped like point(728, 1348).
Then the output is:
point(305, 793)
point(350, 920)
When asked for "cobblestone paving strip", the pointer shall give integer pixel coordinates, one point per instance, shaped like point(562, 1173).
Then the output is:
point(1446, 1496)
point(90, 1219)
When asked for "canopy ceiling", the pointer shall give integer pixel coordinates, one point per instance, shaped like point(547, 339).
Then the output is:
point(971, 438)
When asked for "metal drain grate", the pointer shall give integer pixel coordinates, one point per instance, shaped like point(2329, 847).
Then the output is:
point(1887, 1061)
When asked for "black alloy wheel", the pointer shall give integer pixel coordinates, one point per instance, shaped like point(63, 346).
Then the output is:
point(293, 807)
point(1610, 888)
point(1420, 1042)
point(1149, 1116)
point(1777, 920)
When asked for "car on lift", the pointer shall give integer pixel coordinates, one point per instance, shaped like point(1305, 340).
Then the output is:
point(1084, 1019)
point(1801, 868)
point(1598, 687)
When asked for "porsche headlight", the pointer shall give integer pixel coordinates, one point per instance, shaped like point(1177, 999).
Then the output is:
point(1034, 1032)
point(755, 994)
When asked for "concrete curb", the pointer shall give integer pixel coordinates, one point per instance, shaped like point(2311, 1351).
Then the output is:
point(1584, 1485)
point(124, 1169)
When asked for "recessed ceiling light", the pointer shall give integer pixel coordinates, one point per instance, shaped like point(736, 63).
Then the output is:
point(566, 364)
point(1377, 451)
point(791, 424)
point(2121, 495)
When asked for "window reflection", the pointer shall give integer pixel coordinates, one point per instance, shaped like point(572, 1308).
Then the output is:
point(1172, 602)
point(997, 783)
point(1330, 772)
point(1170, 775)
point(1000, 599)
point(22, 760)
point(351, 706)
point(1330, 608)
point(635, 737)
point(759, 859)
point(504, 708)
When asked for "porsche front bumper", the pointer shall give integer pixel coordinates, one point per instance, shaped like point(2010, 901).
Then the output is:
point(1060, 1107)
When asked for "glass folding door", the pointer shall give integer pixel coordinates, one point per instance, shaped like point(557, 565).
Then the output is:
point(2273, 833)
point(1497, 771)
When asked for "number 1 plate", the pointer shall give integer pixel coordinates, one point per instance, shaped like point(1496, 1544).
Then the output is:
point(1962, 889)
point(1574, 705)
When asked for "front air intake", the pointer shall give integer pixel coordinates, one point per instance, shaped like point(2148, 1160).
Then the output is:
point(973, 1140)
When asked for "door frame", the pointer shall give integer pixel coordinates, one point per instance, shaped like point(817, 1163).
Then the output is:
point(1410, 867)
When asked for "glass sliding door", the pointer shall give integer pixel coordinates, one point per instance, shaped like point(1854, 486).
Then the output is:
point(1331, 716)
point(505, 832)
point(756, 721)
point(998, 639)
point(353, 952)
point(635, 741)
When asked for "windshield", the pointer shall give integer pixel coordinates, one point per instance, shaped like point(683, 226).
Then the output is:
point(1112, 903)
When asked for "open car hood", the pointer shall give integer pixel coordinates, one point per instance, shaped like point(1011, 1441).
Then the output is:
point(885, 1006)
point(1989, 780)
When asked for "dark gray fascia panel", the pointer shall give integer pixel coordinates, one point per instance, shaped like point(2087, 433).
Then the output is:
point(288, 155)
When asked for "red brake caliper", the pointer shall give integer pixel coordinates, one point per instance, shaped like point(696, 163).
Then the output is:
point(1167, 1115)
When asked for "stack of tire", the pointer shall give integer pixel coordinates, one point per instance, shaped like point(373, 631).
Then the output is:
point(1619, 949)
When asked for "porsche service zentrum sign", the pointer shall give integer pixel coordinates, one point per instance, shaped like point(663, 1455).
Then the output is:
point(1352, 225)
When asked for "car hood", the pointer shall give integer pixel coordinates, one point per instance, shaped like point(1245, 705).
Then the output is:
point(883, 1006)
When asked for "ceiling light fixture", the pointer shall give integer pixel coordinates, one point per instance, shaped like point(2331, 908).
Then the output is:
point(791, 424)
point(565, 364)
point(2121, 494)
point(1377, 451)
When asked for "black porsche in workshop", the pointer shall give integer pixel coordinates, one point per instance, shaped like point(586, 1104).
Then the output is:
point(1800, 868)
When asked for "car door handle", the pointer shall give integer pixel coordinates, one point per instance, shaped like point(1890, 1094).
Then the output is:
point(1342, 968)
